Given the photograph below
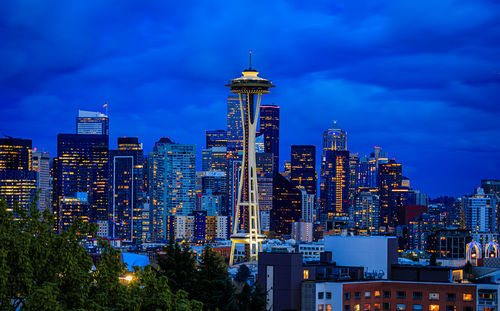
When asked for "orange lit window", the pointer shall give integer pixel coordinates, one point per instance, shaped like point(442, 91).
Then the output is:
point(357, 307)
point(376, 293)
point(306, 274)
point(467, 297)
point(434, 308)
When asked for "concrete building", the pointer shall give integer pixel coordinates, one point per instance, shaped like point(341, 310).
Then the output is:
point(481, 212)
point(302, 231)
point(173, 184)
point(92, 123)
point(41, 164)
point(375, 253)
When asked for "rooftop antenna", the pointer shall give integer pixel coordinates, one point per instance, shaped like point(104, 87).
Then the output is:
point(250, 60)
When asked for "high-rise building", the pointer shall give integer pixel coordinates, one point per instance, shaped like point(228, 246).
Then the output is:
point(246, 230)
point(270, 128)
point(481, 212)
point(234, 126)
point(366, 173)
point(214, 159)
point(90, 122)
point(420, 228)
point(41, 165)
point(491, 186)
point(365, 212)
point(334, 139)
point(303, 167)
point(334, 187)
point(18, 187)
point(173, 183)
point(18, 182)
point(307, 205)
point(211, 204)
point(287, 205)
point(389, 181)
point(215, 182)
point(81, 179)
point(15, 154)
point(216, 138)
point(127, 169)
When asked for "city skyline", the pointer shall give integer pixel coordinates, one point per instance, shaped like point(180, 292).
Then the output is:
point(426, 97)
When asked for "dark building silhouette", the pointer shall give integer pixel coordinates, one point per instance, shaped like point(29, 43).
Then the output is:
point(81, 179)
point(389, 181)
point(216, 138)
point(270, 128)
point(334, 187)
point(127, 181)
point(287, 205)
point(303, 167)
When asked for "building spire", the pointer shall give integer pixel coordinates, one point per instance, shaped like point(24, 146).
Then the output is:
point(250, 67)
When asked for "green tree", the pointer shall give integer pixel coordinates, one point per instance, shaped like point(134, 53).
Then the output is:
point(243, 274)
point(214, 286)
point(42, 270)
point(178, 264)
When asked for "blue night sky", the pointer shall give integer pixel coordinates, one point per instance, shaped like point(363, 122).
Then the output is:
point(420, 78)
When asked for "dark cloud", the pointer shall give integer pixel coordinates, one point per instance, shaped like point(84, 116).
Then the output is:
point(418, 78)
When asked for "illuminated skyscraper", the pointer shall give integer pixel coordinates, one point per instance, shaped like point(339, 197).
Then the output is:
point(270, 128)
point(334, 187)
point(18, 182)
point(234, 126)
point(127, 189)
point(81, 179)
point(334, 139)
point(15, 154)
point(173, 183)
point(335, 173)
point(216, 138)
point(246, 229)
point(389, 182)
point(287, 205)
point(214, 159)
point(41, 164)
point(365, 212)
point(303, 167)
point(90, 122)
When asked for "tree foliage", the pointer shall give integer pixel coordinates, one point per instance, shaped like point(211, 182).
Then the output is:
point(178, 264)
point(42, 270)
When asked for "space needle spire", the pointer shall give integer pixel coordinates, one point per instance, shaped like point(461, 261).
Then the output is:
point(246, 223)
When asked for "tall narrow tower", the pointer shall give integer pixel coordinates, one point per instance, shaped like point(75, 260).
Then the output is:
point(246, 224)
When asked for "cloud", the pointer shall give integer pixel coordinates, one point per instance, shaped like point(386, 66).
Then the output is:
point(419, 78)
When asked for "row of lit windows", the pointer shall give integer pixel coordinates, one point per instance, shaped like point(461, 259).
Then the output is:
point(402, 294)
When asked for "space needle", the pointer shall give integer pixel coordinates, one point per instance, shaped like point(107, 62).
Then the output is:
point(246, 223)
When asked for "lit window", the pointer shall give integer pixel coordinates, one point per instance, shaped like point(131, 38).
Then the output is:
point(357, 307)
point(400, 307)
point(376, 293)
point(367, 307)
point(368, 294)
point(467, 297)
point(320, 308)
point(434, 308)
point(328, 308)
point(306, 274)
